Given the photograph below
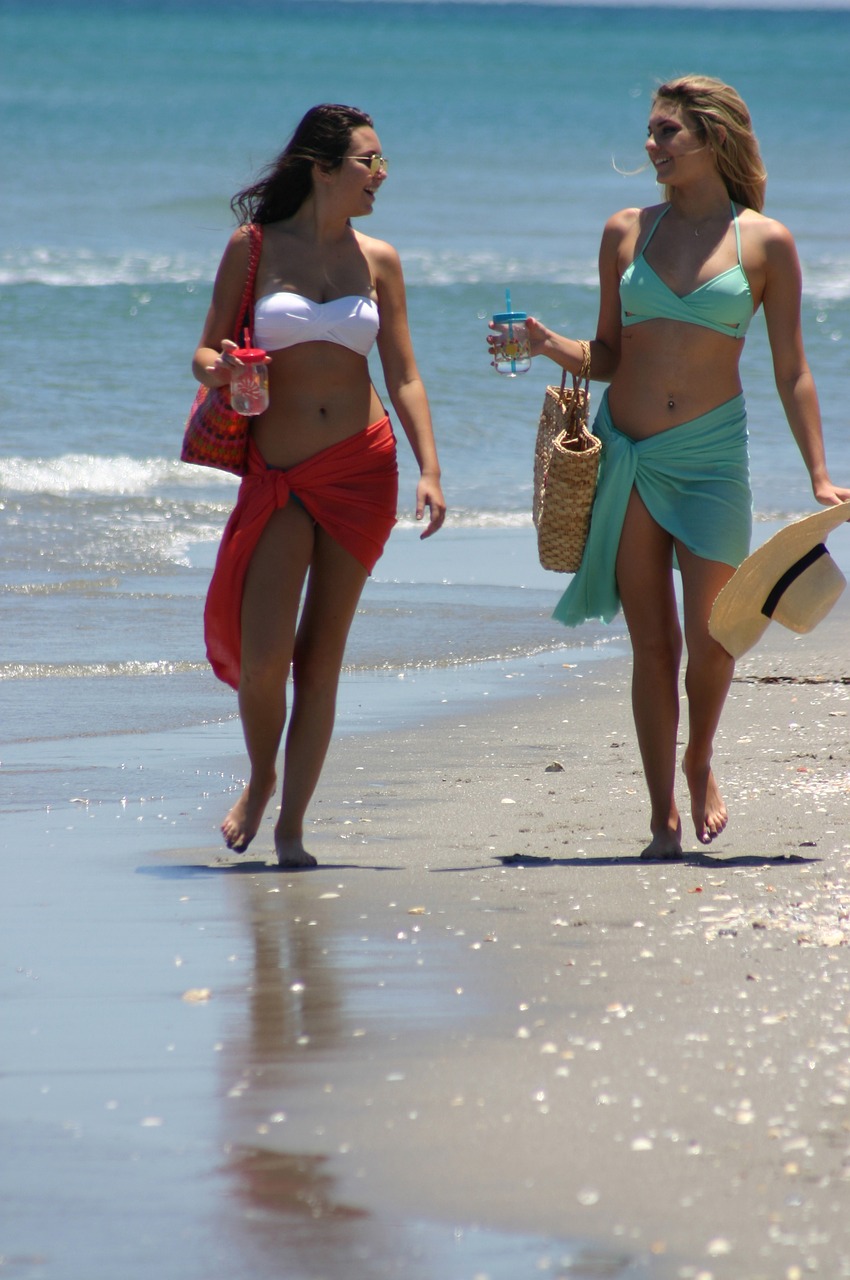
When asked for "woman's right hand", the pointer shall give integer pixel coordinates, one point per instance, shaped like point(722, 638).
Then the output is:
point(538, 336)
point(224, 363)
point(566, 353)
point(545, 342)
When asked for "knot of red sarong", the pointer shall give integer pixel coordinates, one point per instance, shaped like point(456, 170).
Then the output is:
point(274, 484)
point(350, 489)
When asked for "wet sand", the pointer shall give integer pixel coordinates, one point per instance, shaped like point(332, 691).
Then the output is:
point(483, 1039)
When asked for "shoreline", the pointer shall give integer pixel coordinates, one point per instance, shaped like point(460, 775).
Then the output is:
point(472, 623)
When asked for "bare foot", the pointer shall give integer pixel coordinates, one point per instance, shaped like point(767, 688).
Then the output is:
point(243, 821)
point(665, 845)
point(291, 853)
point(707, 808)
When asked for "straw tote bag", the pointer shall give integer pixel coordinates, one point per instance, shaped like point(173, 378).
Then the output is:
point(216, 435)
point(566, 463)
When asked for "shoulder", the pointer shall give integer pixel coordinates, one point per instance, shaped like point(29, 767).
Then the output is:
point(385, 268)
point(242, 237)
point(380, 254)
point(619, 227)
point(238, 248)
point(632, 221)
point(622, 233)
point(770, 255)
point(770, 259)
point(623, 220)
point(235, 261)
point(767, 234)
point(625, 227)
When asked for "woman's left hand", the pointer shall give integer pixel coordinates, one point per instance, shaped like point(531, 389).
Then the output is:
point(829, 494)
point(429, 494)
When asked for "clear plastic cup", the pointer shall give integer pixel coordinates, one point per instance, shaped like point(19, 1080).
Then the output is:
point(249, 383)
point(511, 350)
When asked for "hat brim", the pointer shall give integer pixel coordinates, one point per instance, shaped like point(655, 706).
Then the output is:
point(736, 620)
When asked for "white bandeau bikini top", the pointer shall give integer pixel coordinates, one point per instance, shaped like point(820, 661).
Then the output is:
point(286, 319)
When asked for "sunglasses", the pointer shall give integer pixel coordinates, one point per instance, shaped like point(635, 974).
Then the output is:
point(377, 164)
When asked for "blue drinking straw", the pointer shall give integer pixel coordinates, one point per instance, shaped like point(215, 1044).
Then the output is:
point(509, 309)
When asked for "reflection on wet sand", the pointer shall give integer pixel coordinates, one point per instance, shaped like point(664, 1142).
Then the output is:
point(304, 1003)
point(294, 997)
point(284, 1183)
point(293, 1223)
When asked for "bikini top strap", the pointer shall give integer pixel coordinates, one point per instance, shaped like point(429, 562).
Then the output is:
point(654, 227)
point(737, 233)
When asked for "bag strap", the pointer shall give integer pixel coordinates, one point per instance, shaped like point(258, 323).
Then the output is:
point(583, 374)
point(575, 406)
point(245, 318)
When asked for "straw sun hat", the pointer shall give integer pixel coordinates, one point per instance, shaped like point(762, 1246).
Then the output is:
point(791, 579)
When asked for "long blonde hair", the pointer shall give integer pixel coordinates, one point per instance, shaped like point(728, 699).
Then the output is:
point(722, 120)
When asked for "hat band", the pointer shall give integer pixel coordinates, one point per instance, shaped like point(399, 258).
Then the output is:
point(791, 575)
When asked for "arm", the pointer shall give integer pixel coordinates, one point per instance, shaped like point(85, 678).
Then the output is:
point(211, 364)
point(605, 347)
point(404, 385)
point(794, 382)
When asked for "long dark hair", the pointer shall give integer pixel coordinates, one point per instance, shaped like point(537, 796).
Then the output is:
point(322, 137)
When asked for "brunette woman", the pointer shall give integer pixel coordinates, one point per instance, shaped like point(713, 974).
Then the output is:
point(319, 499)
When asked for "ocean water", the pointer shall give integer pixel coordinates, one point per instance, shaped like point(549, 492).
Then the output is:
point(513, 132)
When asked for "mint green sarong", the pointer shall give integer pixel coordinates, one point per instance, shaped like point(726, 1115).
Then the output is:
point(694, 481)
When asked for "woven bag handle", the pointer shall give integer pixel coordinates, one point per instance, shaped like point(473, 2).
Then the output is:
point(245, 318)
point(576, 420)
point(583, 374)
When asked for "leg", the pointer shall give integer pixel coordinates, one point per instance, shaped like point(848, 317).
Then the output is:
point(707, 680)
point(270, 601)
point(333, 591)
point(645, 583)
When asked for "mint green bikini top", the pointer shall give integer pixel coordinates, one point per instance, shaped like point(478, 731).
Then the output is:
point(724, 303)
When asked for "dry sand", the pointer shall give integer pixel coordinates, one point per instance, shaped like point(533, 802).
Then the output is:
point(482, 1040)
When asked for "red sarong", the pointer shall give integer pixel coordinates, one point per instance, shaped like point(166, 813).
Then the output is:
point(350, 489)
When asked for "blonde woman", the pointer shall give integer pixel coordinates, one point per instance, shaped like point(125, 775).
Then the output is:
point(679, 285)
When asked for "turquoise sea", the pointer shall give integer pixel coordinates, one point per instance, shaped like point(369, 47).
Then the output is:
point(511, 130)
